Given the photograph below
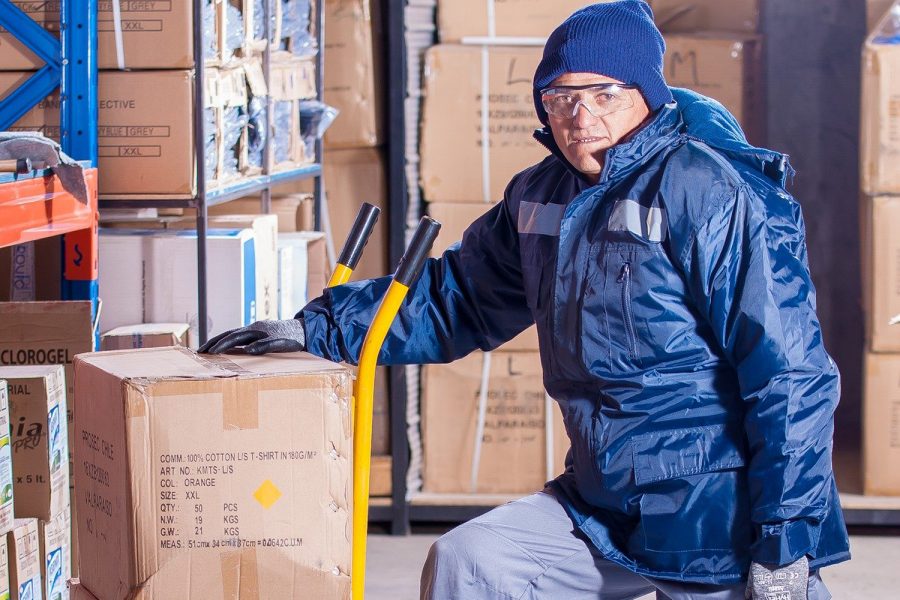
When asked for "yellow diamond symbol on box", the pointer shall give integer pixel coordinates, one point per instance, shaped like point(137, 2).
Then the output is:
point(267, 494)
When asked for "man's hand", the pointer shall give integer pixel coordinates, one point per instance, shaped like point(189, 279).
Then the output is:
point(261, 337)
point(778, 583)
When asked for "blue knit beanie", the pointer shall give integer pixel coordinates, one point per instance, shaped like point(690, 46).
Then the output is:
point(615, 39)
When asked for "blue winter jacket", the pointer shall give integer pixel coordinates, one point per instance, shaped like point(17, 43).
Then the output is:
point(678, 332)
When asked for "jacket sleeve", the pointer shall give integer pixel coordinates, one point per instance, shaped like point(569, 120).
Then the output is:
point(470, 298)
point(748, 273)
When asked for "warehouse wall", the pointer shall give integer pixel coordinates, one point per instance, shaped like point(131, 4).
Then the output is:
point(813, 50)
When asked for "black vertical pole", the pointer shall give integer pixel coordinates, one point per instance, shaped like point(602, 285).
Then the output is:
point(200, 168)
point(318, 184)
point(397, 204)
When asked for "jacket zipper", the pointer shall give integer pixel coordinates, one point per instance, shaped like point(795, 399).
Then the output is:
point(625, 280)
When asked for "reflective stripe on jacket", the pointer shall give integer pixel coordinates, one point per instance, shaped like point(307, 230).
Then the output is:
point(678, 332)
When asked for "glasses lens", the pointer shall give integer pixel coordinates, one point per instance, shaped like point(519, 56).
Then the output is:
point(600, 100)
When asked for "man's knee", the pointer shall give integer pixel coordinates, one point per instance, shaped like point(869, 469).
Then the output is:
point(458, 546)
point(449, 563)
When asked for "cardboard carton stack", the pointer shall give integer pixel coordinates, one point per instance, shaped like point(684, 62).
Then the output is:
point(41, 483)
point(714, 48)
point(204, 476)
point(146, 147)
point(880, 208)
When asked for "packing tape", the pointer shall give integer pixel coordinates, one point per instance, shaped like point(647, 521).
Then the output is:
point(240, 410)
point(548, 436)
point(117, 28)
point(482, 413)
point(240, 574)
point(485, 124)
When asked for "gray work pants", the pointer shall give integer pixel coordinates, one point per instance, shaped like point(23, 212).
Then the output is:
point(528, 550)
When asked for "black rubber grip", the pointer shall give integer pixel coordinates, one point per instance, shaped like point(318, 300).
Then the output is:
point(418, 250)
point(359, 235)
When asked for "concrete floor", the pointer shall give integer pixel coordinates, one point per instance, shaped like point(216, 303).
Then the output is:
point(394, 565)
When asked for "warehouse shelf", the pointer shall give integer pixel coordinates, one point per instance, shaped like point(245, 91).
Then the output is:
point(220, 195)
point(36, 206)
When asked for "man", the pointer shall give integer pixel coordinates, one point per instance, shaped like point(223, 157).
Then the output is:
point(665, 267)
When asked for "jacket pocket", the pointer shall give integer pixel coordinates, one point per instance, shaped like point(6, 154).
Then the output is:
point(693, 492)
point(627, 310)
point(666, 455)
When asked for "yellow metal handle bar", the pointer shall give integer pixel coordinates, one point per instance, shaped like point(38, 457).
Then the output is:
point(364, 391)
point(356, 242)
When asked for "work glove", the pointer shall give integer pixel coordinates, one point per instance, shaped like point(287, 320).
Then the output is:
point(768, 582)
point(262, 337)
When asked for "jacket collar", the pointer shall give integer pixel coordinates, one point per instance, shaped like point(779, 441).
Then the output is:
point(659, 131)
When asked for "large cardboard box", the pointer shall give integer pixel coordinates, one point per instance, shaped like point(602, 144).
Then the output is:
point(151, 276)
point(285, 207)
point(458, 19)
point(707, 15)
point(37, 410)
point(875, 11)
point(145, 146)
point(221, 476)
point(514, 445)
point(881, 268)
point(301, 254)
point(880, 125)
point(881, 425)
point(353, 73)
point(47, 333)
point(6, 468)
point(478, 121)
point(455, 218)
point(79, 592)
point(24, 552)
point(727, 67)
point(56, 549)
point(352, 177)
point(145, 335)
point(156, 34)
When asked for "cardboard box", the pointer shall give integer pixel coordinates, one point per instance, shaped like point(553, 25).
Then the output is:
point(151, 276)
point(47, 333)
point(47, 267)
point(514, 451)
point(380, 476)
point(352, 177)
point(145, 335)
point(4, 569)
point(881, 425)
point(727, 67)
point(56, 549)
point(300, 254)
point(707, 15)
point(881, 268)
point(353, 73)
point(285, 207)
point(6, 468)
point(455, 218)
point(458, 19)
point(156, 34)
point(145, 146)
point(214, 468)
point(40, 447)
point(880, 124)
point(477, 126)
point(875, 11)
point(24, 552)
point(79, 592)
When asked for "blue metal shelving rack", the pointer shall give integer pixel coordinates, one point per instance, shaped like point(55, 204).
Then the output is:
point(70, 63)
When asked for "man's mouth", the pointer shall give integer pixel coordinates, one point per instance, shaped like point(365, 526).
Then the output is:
point(586, 140)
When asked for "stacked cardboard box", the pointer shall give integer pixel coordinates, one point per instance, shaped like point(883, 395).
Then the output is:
point(204, 476)
point(714, 48)
point(146, 147)
point(880, 208)
point(40, 456)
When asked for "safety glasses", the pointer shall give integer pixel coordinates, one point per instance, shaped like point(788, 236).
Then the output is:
point(600, 100)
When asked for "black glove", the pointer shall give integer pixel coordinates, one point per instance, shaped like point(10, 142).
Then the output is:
point(768, 582)
point(261, 337)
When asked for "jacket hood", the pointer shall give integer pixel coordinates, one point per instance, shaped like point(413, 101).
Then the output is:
point(706, 120)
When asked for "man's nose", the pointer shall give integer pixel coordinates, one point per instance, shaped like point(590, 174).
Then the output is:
point(583, 116)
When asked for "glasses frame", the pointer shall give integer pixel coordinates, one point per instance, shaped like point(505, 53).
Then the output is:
point(577, 88)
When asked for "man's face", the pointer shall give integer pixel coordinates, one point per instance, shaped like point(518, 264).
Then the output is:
point(584, 138)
